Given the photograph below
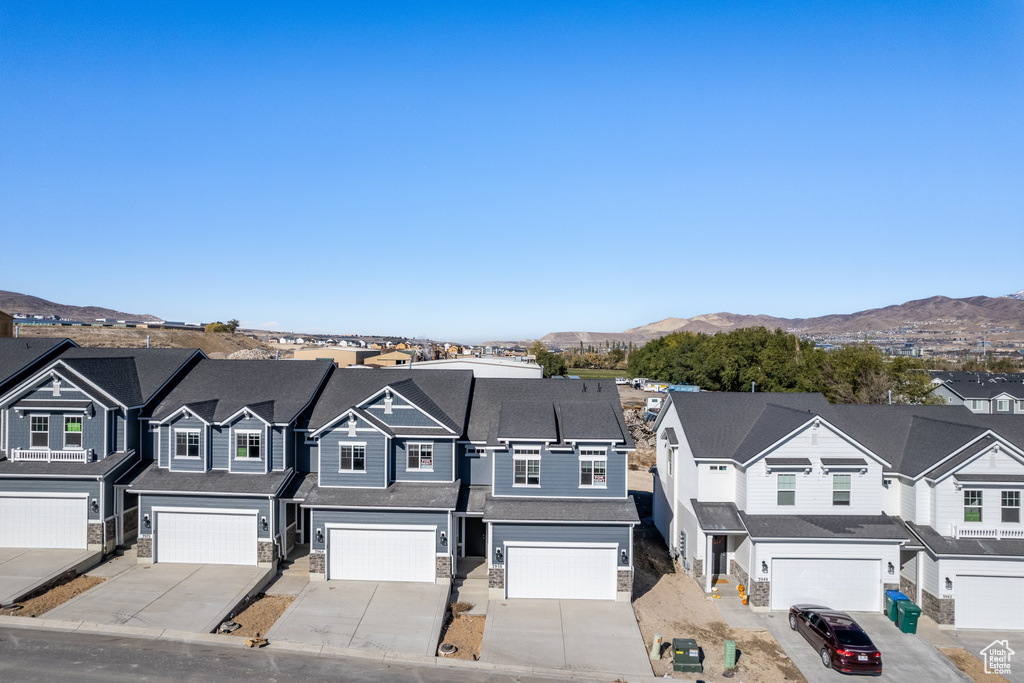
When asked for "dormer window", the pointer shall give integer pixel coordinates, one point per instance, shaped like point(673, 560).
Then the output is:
point(247, 445)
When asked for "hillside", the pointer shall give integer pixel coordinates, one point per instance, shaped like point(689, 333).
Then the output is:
point(938, 313)
point(14, 302)
point(214, 345)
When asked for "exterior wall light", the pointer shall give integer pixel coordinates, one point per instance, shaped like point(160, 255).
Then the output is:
point(624, 556)
point(95, 505)
point(263, 523)
point(498, 555)
point(145, 521)
point(949, 584)
point(319, 535)
point(891, 569)
point(764, 567)
point(444, 539)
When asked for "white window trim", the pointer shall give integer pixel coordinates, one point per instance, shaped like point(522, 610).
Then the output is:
point(1016, 507)
point(778, 480)
point(980, 506)
point(64, 424)
point(234, 444)
point(835, 478)
point(476, 452)
point(593, 459)
point(174, 438)
point(419, 445)
point(1002, 404)
point(31, 432)
point(342, 444)
point(526, 458)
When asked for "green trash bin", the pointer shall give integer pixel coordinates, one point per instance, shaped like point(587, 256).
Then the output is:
point(891, 598)
point(686, 656)
point(907, 614)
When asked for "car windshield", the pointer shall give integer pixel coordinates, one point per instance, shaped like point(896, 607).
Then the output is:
point(853, 637)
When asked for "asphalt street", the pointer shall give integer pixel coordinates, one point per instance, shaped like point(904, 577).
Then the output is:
point(30, 655)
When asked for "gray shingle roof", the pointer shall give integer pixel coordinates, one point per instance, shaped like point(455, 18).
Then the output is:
point(717, 516)
point(880, 527)
point(403, 494)
point(447, 392)
point(299, 487)
point(473, 498)
point(944, 545)
point(71, 469)
point(844, 462)
point(994, 478)
point(982, 385)
point(130, 376)
point(543, 408)
point(669, 435)
point(277, 391)
point(788, 462)
point(560, 509)
point(18, 357)
point(149, 477)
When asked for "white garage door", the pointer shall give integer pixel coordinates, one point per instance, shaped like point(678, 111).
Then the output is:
point(382, 554)
point(848, 585)
point(990, 602)
point(206, 537)
point(43, 522)
point(561, 573)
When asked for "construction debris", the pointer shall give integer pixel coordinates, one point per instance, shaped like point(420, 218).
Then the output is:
point(640, 429)
point(251, 354)
point(256, 641)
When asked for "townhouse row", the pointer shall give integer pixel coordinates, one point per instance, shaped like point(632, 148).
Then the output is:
point(807, 502)
point(390, 474)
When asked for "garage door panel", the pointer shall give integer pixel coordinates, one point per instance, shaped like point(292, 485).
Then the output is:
point(561, 573)
point(852, 585)
point(381, 555)
point(206, 538)
point(990, 602)
point(43, 522)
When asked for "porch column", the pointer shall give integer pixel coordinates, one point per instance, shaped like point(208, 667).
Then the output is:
point(708, 562)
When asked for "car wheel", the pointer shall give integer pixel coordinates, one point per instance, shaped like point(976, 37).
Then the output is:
point(792, 621)
point(826, 659)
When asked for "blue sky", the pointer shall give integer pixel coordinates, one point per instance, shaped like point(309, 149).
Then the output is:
point(503, 170)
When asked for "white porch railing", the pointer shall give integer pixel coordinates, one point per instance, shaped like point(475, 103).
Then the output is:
point(996, 532)
point(26, 455)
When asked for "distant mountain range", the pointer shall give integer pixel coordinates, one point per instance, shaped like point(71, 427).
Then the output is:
point(941, 313)
point(14, 302)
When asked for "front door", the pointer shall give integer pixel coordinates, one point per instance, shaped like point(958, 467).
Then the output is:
point(476, 537)
point(718, 555)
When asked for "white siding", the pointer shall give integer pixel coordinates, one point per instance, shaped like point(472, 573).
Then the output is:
point(908, 500)
point(976, 567)
point(742, 554)
point(923, 502)
point(988, 462)
point(909, 567)
point(716, 486)
point(814, 490)
point(741, 488)
point(930, 575)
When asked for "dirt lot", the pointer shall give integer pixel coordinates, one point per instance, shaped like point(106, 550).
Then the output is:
point(673, 605)
point(971, 665)
point(57, 595)
point(261, 614)
point(465, 632)
point(110, 337)
point(632, 398)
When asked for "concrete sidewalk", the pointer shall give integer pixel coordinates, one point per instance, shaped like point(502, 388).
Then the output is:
point(25, 570)
point(181, 597)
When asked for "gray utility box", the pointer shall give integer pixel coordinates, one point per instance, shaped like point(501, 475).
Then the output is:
point(686, 656)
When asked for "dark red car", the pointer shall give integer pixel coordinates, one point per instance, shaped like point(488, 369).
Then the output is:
point(840, 642)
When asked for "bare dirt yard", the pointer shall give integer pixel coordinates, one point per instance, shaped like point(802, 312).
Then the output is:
point(55, 596)
point(464, 631)
point(673, 605)
point(261, 614)
point(971, 665)
point(124, 337)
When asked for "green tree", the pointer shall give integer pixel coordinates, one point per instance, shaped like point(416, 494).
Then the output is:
point(553, 363)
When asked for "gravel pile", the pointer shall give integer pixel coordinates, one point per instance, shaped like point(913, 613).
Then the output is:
point(251, 354)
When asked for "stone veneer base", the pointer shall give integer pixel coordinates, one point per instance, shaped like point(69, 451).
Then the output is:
point(943, 612)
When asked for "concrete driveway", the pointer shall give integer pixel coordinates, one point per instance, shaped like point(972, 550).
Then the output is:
point(23, 570)
point(905, 657)
point(181, 597)
point(396, 617)
point(575, 635)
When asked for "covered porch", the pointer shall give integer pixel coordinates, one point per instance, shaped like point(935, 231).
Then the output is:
point(726, 549)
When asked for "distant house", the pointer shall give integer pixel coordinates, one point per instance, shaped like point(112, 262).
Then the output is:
point(982, 392)
point(390, 359)
point(341, 357)
point(487, 366)
point(6, 325)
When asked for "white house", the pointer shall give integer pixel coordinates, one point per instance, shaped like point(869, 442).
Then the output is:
point(804, 501)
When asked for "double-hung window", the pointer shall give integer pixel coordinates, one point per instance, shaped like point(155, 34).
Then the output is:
point(977, 404)
point(593, 468)
point(40, 426)
point(72, 431)
point(841, 489)
point(787, 489)
point(1011, 506)
point(186, 443)
point(420, 456)
point(526, 467)
point(972, 506)
point(247, 445)
point(1003, 405)
point(353, 457)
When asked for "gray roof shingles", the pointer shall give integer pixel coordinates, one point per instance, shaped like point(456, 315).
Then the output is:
point(880, 527)
point(717, 516)
point(149, 477)
point(97, 468)
point(945, 545)
point(18, 356)
point(130, 376)
point(420, 496)
point(560, 510)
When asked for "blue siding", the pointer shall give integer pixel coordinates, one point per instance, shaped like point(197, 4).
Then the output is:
point(474, 471)
point(443, 453)
point(403, 414)
point(330, 455)
point(322, 517)
point(43, 486)
point(562, 533)
point(119, 433)
point(187, 464)
point(220, 449)
point(19, 429)
point(148, 501)
point(277, 448)
point(42, 392)
point(306, 457)
point(560, 476)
